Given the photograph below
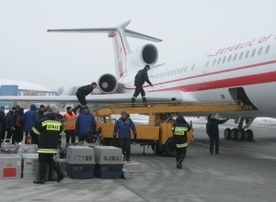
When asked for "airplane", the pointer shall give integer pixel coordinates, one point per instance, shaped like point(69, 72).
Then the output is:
point(245, 71)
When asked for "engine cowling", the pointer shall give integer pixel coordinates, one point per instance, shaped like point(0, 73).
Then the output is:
point(107, 83)
point(146, 54)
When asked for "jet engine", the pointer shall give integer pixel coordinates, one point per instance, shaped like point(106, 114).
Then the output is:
point(107, 83)
point(147, 54)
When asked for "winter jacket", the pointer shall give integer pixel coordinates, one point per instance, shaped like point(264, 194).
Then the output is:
point(122, 127)
point(30, 118)
point(48, 129)
point(69, 121)
point(85, 124)
point(9, 119)
point(85, 90)
point(141, 77)
point(17, 120)
point(212, 126)
point(180, 131)
point(2, 121)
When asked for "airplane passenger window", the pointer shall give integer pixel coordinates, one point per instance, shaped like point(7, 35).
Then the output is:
point(178, 71)
point(240, 57)
point(182, 69)
point(219, 60)
point(229, 58)
point(223, 61)
point(207, 63)
point(253, 53)
point(260, 51)
point(193, 67)
point(186, 68)
point(246, 54)
point(214, 62)
point(235, 56)
point(267, 49)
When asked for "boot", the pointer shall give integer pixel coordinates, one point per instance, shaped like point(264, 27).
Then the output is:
point(38, 181)
point(179, 164)
point(75, 109)
point(60, 177)
point(132, 100)
point(144, 99)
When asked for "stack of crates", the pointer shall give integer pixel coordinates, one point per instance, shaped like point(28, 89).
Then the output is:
point(80, 162)
point(109, 162)
point(10, 166)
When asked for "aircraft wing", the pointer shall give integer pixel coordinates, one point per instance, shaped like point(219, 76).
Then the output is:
point(164, 96)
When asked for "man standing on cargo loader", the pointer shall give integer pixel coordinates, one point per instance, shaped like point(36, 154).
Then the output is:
point(180, 129)
point(212, 130)
point(49, 130)
point(139, 80)
point(122, 127)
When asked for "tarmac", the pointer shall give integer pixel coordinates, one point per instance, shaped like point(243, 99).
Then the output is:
point(244, 171)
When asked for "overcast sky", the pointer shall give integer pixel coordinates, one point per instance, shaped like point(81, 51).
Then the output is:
point(28, 52)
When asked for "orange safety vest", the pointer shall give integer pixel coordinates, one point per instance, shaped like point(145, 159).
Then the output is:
point(70, 121)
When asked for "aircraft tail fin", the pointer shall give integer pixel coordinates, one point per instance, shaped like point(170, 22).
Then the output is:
point(120, 43)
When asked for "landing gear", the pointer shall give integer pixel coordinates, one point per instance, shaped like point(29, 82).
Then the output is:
point(249, 135)
point(240, 135)
point(227, 133)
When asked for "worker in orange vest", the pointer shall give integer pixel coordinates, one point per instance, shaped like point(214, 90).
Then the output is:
point(69, 125)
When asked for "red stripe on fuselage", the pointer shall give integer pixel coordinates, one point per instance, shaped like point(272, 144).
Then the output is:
point(222, 83)
point(225, 83)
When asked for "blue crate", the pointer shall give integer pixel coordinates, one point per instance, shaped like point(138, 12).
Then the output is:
point(80, 171)
point(109, 171)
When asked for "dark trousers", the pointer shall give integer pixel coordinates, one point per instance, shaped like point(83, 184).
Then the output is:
point(124, 144)
point(70, 134)
point(3, 134)
point(45, 159)
point(9, 136)
point(181, 154)
point(86, 138)
point(81, 98)
point(214, 142)
point(17, 136)
point(138, 90)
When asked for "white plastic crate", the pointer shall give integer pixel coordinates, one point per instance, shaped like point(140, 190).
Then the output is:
point(108, 155)
point(80, 155)
point(27, 148)
point(29, 165)
point(10, 165)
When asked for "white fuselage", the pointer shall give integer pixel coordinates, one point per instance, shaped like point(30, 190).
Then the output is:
point(249, 66)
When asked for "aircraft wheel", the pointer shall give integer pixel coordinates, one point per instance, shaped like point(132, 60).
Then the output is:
point(241, 135)
point(227, 133)
point(170, 148)
point(234, 133)
point(249, 135)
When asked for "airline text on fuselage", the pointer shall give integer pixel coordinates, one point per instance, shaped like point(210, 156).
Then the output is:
point(245, 44)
